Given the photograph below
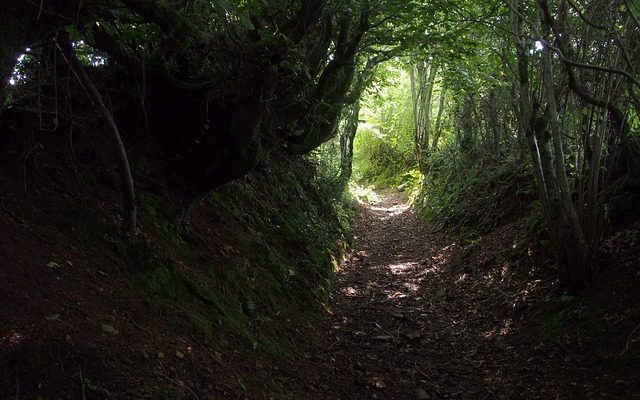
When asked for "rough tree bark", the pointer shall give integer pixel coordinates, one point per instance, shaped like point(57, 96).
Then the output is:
point(322, 117)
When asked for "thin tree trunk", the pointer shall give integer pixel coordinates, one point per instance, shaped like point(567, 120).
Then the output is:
point(577, 268)
point(346, 144)
point(352, 118)
point(414, 103)
point(428, 95)
point(422, 83)
point(437, 132)
point(124, 170)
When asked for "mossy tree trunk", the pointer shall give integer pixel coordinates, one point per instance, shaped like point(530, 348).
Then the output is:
point(351, 117)
point(347, 136)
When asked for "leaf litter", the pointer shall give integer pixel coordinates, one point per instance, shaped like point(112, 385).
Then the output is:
point(416, 316)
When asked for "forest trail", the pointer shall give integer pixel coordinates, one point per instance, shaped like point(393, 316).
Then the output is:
point(413, 317)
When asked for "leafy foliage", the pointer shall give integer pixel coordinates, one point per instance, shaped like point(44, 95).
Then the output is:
point(383, 147)
point(469, 197)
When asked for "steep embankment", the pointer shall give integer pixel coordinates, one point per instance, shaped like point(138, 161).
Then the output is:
point(176, 315)
point(416, 316)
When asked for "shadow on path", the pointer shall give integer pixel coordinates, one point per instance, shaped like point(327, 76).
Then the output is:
point(416, 317)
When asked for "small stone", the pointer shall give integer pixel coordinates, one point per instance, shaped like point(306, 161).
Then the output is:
point(379, 383)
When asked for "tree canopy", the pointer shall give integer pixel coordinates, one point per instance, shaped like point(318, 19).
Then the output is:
point(194, 94)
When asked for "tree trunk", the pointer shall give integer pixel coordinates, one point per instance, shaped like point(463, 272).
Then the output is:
point(570, 248)
point(576, 265)
point(351, 119)
point(423, 78)
point(124, 170)
point(437, 132)
point(347, 137)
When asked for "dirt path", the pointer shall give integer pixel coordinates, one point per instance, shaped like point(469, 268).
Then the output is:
point(414, 317)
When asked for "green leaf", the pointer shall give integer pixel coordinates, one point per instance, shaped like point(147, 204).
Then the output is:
point(250, 306)
point(566, 298)
point(53, 317)
point(246, 22)
point(109, 329)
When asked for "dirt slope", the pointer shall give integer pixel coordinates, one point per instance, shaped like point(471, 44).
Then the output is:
point(417, 317)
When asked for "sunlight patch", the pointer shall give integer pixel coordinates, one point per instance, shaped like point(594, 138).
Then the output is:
point(391, 211)
point(350, 292)
point(402, 268)
point(503, 329)
point(414, 287)
point(395, 295)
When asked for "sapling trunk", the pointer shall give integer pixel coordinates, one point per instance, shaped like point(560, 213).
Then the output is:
point(124, 169)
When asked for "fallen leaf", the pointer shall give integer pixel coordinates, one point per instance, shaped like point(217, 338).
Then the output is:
point(379, 383)
point(422, 394)
point(109, 329)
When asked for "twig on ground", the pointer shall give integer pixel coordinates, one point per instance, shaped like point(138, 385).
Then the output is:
point(395, 338)
point(82, 385)
point(335, 343)
point(418, 370)
point(630, 340)
point(180, 385)
point(142, 328)
point(213, 357)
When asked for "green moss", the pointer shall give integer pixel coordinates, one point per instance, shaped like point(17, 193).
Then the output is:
point(578, 320)
point(286, 241)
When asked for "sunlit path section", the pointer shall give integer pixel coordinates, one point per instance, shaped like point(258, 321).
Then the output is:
point(389, 210)
point(411, 319)
point(385, 204)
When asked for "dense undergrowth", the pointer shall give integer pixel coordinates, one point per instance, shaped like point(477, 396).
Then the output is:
point(471, 198)
point(468, 196)
point(280, 240)
point(381, 166)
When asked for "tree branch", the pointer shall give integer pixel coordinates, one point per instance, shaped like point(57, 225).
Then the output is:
point(537, 37)
point(124, 169)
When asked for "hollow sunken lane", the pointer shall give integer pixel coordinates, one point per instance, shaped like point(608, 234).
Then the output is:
point(408, 324)
point(416, 317)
